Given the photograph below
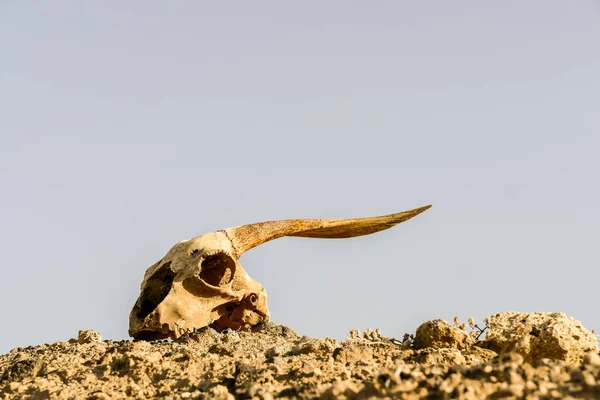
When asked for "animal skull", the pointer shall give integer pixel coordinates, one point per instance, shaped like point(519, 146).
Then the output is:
point(200, 282)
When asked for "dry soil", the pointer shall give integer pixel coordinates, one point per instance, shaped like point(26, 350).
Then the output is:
point(275, 362)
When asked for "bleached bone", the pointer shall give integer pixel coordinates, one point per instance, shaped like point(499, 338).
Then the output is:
point(200, 282)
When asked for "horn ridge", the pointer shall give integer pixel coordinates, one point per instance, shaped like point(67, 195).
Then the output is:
point(246, 237)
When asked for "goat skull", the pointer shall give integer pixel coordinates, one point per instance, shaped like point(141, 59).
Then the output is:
point(200, 282)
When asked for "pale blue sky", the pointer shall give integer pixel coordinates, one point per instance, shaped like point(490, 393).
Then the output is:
point(128, 126)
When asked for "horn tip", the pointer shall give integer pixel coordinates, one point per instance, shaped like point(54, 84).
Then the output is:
point(421, 209)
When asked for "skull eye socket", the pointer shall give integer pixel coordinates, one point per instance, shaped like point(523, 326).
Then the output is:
point(217, 269)
point(156, 290)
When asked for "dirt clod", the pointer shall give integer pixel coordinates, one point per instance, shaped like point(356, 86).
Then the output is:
point(88, 336)
point(439, 334)
point(539, 335)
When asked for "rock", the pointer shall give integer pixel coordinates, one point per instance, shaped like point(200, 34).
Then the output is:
point(273, 352)
point(277, 360)
point(446, 356)
point(539, 335)
point(221, 392)
point(352, 353)
point(476, 355)
point(275, 329)
point(88, 336)
point(340, 390)
point(308, 345)
point(592, 358)
point(439, 334)
point(221, 350)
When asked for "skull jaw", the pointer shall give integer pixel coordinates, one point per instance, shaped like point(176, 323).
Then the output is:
point(173, 317)
point(241, 320)
point(248, 320)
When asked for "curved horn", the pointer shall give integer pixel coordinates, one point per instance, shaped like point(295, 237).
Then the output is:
point(246, 237)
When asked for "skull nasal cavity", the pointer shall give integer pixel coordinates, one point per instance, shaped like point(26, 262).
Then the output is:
point(156, 290)
point(217, 270)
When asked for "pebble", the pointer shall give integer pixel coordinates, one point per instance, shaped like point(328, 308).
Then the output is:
point(88, 336)
point(592, 358)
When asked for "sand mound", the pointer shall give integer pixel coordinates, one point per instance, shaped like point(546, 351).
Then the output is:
point(547, 356)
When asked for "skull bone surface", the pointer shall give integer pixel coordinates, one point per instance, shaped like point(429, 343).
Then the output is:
point(200, 282)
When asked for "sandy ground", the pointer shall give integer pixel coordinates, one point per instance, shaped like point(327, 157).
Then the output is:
point(441, 361)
